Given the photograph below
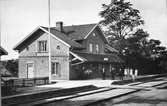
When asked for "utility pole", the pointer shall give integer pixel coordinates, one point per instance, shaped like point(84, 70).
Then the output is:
point(49, 41)
point(166, 5)
point(0, 69)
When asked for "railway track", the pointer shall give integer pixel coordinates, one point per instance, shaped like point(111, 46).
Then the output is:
point(104, 93)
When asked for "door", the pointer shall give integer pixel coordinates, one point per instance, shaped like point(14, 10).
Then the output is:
point(30, 70)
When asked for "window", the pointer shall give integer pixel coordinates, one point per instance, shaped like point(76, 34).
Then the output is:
point(42, 46)
point(97, 48)
point(58, 47)
point(90, 47)
point(94, 34)
point(55, 68)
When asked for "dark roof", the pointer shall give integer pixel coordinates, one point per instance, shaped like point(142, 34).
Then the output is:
point(3, 51)
point(64, 37)
point(110, 58)
point(78, 32)
point(69, 34)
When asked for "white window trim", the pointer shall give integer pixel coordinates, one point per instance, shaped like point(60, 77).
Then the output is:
point(91, 47)
point(97, 48)
point(59, 66)
point(38, 46)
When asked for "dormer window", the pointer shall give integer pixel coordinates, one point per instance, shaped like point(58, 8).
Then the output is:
point(42, 46)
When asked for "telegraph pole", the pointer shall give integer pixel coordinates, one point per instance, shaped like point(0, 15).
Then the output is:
point(0, 69)
point(49, 41)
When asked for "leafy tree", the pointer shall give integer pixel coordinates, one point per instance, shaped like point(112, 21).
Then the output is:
point(120, 20)
point(136, 50)
point(136, 44)
point(163, 61)
point(122, 24)
point(12, 67)
point(155, 48)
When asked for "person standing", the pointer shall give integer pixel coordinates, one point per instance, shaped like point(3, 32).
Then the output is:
point(132, 75)
point(125, 72)
point(136, 73)
point(121, 74)
point(112, 72)
point(103, 73)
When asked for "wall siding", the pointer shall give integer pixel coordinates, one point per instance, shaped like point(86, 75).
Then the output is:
point(95, 40)
point(41, 59)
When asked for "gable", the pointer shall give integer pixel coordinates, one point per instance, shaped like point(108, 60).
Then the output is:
point(35, 34)
point(97, 35)
point(41, 30)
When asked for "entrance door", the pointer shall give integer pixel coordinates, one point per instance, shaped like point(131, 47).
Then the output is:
point(30, 70)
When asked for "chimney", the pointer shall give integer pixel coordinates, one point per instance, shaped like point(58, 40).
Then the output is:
point(59, 26)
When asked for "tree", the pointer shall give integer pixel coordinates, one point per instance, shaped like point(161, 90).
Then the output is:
point(12, 67)
point(163, 61)
point(120, 20)
point(135, 52)
point(122, 25)
point(155, 48)
point(137, 43)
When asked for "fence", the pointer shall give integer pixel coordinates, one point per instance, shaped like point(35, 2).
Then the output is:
point(24, 82)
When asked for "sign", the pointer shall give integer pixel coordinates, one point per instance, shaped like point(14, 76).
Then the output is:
point(105, 59)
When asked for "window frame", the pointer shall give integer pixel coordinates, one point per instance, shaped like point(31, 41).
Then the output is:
point(55, 70)
point(42, 46)
point(91, 47)
point(97, 48)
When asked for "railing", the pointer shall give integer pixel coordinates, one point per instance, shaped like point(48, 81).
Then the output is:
point(24, 82)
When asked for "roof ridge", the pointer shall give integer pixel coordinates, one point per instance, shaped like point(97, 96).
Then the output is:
point(81, 24)
point(71, 25)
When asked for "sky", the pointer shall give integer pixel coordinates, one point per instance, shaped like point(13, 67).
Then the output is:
point(18, 18)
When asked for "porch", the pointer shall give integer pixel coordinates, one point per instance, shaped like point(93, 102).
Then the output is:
point(95, 66)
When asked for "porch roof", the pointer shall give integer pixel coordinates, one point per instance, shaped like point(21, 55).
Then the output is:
point(106, 58)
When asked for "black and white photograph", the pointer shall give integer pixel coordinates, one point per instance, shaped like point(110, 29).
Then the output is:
point(83, 52)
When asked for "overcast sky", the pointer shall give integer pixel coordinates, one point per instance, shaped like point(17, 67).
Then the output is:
point(19, 17)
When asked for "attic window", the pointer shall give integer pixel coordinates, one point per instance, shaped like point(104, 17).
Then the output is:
point(58, 47)
point(94, 34)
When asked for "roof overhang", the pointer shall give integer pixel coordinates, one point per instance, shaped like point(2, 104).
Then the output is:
point(100, 58)
point(77, 59)
point(3, 51)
